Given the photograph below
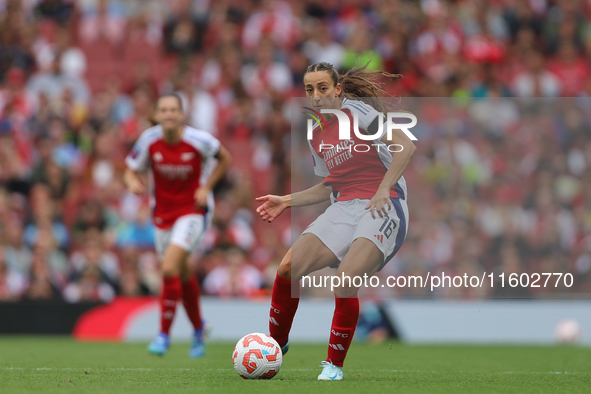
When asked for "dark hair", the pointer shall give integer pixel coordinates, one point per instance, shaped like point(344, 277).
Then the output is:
point(358, 83)
point(171, 94)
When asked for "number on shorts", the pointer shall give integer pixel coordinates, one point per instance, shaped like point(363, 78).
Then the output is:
point(389, 229)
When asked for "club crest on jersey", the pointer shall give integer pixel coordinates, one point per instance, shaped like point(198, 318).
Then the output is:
point(186, 156)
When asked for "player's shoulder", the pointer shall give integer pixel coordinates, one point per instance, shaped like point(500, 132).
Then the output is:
point(192, 132)
point(195, 136)
point(150, 135)
point(357, 106)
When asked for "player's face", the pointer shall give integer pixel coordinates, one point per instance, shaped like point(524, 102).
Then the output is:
point(169, 113)
point(321, 90)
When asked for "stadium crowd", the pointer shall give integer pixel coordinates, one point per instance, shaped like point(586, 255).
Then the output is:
point(509, 192)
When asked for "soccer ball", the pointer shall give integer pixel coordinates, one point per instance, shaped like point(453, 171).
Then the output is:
point(257, 356)
point(567, 331)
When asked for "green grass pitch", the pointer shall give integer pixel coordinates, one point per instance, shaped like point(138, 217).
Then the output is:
point(50, 365)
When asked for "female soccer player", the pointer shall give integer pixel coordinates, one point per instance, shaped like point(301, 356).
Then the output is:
point(365, 226)
point(176, 155)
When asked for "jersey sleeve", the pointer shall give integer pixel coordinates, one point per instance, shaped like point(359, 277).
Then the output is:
point(205, 143)
point(367, 116)
point(320, 167)
point(139, 157)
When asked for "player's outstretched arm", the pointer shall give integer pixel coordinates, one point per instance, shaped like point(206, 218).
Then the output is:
point(224, 159)
point(273, 206)
point(134, 182)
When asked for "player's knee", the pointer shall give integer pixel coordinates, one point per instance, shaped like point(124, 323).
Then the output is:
point(170, 268)
point(346, 291)
point(284, 270)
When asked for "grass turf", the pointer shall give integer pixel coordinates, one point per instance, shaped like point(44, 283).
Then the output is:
point(60, 365)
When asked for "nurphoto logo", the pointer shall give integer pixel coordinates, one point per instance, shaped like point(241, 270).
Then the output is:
point(345, 129)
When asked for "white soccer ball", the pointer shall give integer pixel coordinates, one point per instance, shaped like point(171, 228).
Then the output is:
point(567, 331)
point(257, 356)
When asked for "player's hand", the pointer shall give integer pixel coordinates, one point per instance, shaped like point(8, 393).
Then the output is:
point(137, 186)
point(201, 195)
point(272, 207)
point(380, 203)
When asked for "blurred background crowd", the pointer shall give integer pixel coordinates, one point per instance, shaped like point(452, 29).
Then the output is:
point(501, 188)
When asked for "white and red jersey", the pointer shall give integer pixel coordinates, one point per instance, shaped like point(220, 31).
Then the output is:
point(176, 170)
point(353, 174)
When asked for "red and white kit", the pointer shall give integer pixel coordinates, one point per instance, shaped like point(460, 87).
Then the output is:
point(177, 173)
point(354, 176)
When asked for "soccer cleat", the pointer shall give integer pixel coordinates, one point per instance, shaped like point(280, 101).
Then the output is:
point(330, 372)
point(159, 345)
point(197, 348)
point(285, 348)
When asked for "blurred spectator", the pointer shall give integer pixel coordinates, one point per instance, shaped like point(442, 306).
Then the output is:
point(273, 19)
point(131, 282)
point(44, 221)
point(72, 61)
point(16, 254)
point(358, 51)
point(321, 47)
point(234, 277)
point(102, 23)
point(12, 283)
point(266, 73)
point(55, 82)
point(59, 10)
point(90, 287)
point(184, 31)
point(536, 80)
point(48, 273)
point(94, 256)
point(199, 105)
point(138, 233)
point(231, 227)
point(570, 68)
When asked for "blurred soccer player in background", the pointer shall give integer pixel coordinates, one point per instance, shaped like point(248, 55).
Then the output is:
point(177, 154)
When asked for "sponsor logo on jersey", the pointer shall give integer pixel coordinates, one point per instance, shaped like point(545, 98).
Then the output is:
point(174, 171)
point(158, 157)
point(186, 156)
point(380, 237)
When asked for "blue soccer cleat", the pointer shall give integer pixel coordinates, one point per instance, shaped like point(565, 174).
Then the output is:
point(197, 348)
point(285, 348)
point(330, 372)
point(159, 345)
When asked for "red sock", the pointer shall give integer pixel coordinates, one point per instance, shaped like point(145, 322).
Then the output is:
point(344, 322)
point(283, 309)
point(191, 301)
point(171, 292)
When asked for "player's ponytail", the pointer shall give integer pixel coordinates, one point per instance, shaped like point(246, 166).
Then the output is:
point(358, 83)
point(365, 85)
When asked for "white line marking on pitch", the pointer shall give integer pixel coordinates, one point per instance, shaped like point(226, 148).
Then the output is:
point(295, 369)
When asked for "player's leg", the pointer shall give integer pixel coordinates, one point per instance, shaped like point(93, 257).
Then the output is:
point(363, 258)
point(308, 254)
point(186, 234)
point(173, 256)
point(191, 302)
point(191, 295)
point(375, 242)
